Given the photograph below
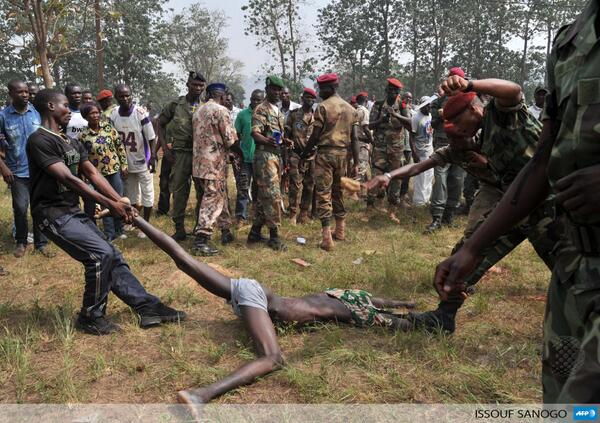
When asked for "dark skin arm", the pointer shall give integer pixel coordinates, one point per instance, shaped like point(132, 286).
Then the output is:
point(413, 147)
point(529, 189)
point(162, 137)
point(105, 195)
point(355, 149)
point(7, 174)
point(412, 169)
point(506, 93)
point(368, 133)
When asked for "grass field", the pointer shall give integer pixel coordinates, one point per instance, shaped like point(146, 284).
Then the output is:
point(494, 356)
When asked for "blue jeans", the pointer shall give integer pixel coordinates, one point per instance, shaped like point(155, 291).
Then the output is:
point(19, 190)
point(244, 182)
point(105, 268)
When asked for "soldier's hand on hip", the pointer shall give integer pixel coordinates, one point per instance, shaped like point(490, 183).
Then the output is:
point(579, 195)
point(450, 274)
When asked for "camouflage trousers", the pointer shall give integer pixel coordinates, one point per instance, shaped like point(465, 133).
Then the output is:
point(330, 166)
point(267, 174)
point(386, 158)
point(214, 206)
point(571, 351)
point(302, 183)
point(540, 228)
point(364, 161)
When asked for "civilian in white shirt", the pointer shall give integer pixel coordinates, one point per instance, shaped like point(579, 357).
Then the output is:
point(539, 98)
point(137, 135)
point(77, 123)
point(421, 143)
point(287, 105)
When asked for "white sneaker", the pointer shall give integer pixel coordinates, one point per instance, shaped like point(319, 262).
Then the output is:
point(128, 228)
point(122, 236)
point(141, 235)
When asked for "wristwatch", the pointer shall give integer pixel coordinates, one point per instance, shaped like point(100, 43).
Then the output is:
point(387, 175)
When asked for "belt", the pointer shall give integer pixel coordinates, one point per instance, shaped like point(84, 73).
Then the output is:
point(269, 148)
point(585, 238)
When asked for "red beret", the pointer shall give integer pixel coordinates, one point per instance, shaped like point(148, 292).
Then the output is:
point(104, 94)
point(457, 104)
point(363, 94)
point(310, 91)
point(328, 78)
point(456, 72)
point(395, 83)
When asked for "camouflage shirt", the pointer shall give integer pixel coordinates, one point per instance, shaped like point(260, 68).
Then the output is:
point(213, 135)
point(299, 125)
point(507, 141)
point(267, 118)
point(574, 82)
point(336, 117)
point(392, 131)
point(362, 114)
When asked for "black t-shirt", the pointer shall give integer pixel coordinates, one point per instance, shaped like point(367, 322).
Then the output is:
point(49, 198)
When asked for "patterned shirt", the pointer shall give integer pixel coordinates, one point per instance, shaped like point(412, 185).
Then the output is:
point(267, 118)
point(299, 125)
point(391, 131)
point(335, 117)
point(362, 114)
point(105, 150)
point(16, 128)
point(213, 135)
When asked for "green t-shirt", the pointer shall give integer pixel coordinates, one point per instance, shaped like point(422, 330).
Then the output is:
point(243, 125)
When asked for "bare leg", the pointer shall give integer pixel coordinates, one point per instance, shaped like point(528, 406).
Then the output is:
point(389, 303)
point(259, 324)
point(206, 276)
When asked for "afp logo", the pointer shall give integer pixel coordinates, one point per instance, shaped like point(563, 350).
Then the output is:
point(585, 413)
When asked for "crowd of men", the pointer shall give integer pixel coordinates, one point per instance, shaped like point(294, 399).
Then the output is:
point(533, 173)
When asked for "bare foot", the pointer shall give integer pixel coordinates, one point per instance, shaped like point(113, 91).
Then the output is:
point(195, 399)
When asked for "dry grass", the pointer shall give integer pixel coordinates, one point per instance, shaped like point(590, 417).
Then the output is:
point(492, 357)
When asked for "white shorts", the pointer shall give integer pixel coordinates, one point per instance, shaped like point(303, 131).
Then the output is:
point(139, 183)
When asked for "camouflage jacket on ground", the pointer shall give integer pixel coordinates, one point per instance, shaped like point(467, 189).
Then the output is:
point(213, 135)
point(392, 131)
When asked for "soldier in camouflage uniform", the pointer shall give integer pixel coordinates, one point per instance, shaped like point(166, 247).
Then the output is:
point(365, 137)
point(266, 120)
point(508, 138)
point(175, 134)
point(213, 134)
point(568, 163)
point(302, 172)
point(334, 133)
point(388, 139)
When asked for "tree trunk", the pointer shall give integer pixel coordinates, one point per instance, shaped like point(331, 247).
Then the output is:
point(290, 13)
point(280, 46)
point(38, 22)
point(99, 47)
point(414, 48)
point(523, 75)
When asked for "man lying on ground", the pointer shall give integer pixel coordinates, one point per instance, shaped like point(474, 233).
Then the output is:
point(259, 307)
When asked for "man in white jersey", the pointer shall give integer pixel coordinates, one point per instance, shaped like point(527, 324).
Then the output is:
point(77, 123)
point(137, 135)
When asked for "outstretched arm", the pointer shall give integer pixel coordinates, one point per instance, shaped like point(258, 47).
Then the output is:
point(408, 170)
point(506, 93)
point(206, 276)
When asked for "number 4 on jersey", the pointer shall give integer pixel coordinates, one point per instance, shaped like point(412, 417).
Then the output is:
point(128, 141)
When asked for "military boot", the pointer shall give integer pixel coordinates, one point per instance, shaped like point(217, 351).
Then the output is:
point(274, 242)
point(448, 217)
point(179, 234)
point(340, 230)
point(303, 217)
point(435, 225)
point(327, 242)
point(255, 236)
point(201, 247)
point(434, 321)
point(227, 237)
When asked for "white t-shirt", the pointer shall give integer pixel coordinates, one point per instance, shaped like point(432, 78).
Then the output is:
point(76, 125)
point(136, 133)
point(421, 127)
point(535, 111)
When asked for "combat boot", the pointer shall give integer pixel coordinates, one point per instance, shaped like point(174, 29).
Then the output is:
point(448, 217)
point(327, 242)
point(340, 230)
point(227, 237)
point(201, 247)
point(179, 234)
point(435, 225)
point(303, 218)
point(274, 242)
point(255, 236)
